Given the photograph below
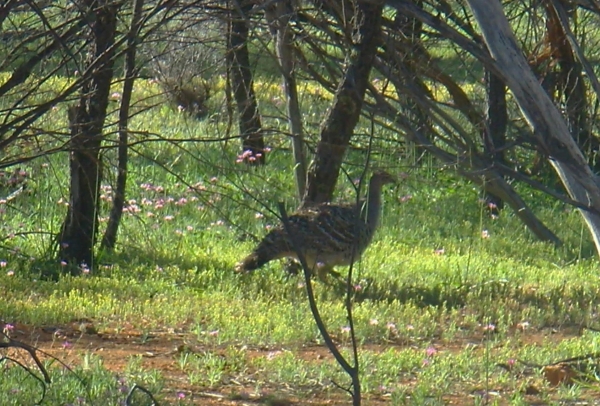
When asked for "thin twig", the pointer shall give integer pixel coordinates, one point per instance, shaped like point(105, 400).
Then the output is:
point(31, 373)
point(141, 389)
point(311, 297)
point(10, 343)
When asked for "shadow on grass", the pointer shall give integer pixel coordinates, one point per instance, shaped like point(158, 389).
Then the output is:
point(135, 262)
point(421, 296)
point(557, 299)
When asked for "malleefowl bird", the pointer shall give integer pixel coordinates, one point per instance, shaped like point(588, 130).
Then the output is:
point(327, 234)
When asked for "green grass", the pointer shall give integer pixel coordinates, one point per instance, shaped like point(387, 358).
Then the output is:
point(173, 271)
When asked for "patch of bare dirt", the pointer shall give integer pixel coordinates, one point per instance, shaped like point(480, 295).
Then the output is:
point(161, 351)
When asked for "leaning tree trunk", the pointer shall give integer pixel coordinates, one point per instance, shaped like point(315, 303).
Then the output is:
point(86, 119)
point(238, 61)
point(551, 133)
point(279, 16)
point(343, 115)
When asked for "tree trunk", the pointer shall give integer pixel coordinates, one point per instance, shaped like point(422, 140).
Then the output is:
point(344, 114)
point(238, 60)
point(86, 119)
point(570, 85)
point(5, 9)
point(110, 235)
point(550, 131)
point(279, 18)
point(494, 134)
point(407, 31)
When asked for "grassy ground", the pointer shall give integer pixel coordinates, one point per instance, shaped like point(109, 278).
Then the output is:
point(451, 305)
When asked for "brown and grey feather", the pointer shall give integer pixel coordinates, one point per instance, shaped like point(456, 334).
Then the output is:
point(328, 234)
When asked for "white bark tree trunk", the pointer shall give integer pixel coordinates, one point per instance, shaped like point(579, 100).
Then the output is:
point(550, 129)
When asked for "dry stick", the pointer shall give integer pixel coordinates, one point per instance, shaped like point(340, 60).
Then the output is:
point(350, 370)
point(31, 350)
point(10, 343)
point(30, 372)
point(579, 358)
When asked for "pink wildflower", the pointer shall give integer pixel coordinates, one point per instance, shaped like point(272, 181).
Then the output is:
point(273, 354)
point(490, 327)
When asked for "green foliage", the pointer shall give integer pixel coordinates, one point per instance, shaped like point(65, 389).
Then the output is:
point(88, 384)
point(439, 294)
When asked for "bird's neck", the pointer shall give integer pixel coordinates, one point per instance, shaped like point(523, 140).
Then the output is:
point(372, 208)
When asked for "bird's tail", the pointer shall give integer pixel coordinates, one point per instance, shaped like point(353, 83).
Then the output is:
point(273, 246)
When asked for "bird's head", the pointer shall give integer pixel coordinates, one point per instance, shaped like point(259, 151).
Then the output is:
point(383, 178)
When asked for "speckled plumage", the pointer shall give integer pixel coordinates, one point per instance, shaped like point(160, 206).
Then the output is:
point(328, 234)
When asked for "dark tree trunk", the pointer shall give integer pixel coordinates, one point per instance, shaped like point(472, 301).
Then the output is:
point(494, 134)
point(86, 122)
point(408, 30)
point(242, 83)
point(343, 115)
point(571, 86)
point(5, 9)
point(110, 235)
